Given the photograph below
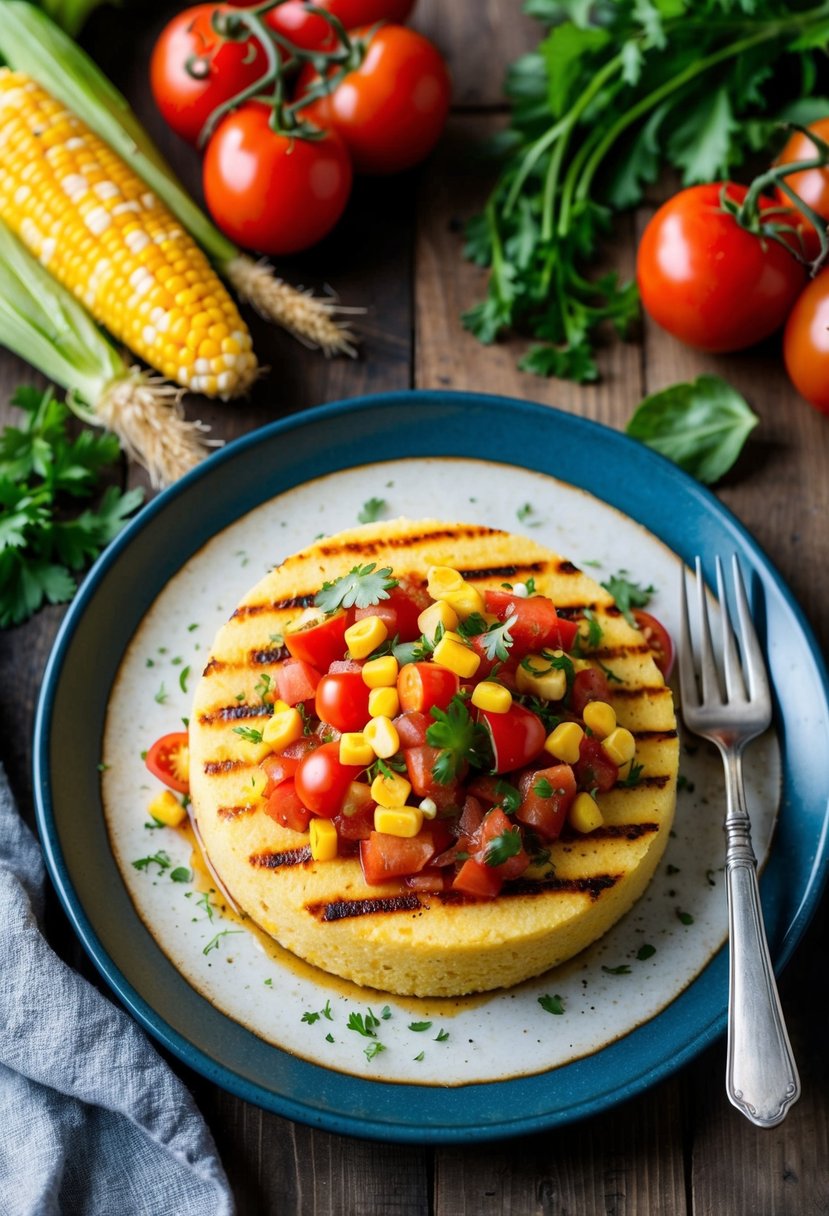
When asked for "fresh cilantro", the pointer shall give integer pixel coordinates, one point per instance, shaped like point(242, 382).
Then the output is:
point(551, 1004)
point(268, 982)
point(213, 944)
point(181, 874)
point(263, 686)
point(441, 1036)
point(248, 733)
point(360, 588)
point(416, 652)
point(497, 639)
point(373, 1050)
point(542, 788)
point(609, 673)
point(161, 696)
point(593, 638)
point(645, 951)
point(473, 625)
point(371, 510)
point(419, 1026)
point(386, 768)
point(310, 1017)
point(684, 918)
point(542, 709)
point(509, 798)
point(364, 1025)
point(525, 514)
point(628, 595)
point(160, 859)
point(204, 902)
point(329, 1038)
point(529, 583)
point(43, 544)
point(633, 777)
point(326, 1011)
point(622, 969)
point(421, 1055)
point(501, 848)
point(555, 662)
point(461, 741)
point(183, 677)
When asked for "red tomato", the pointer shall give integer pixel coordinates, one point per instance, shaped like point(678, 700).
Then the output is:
point(479, 880)
point(319, 642)
point(272, 192)
point(342, 700)
point(420, 763)
point(422, 685)
point(169, 760)
point(594, 769)
point(589, 684)
point(536, 625)
point(411, 728)
point(658, 638)
point(322, 782)
point(546, 813)
point(806, 343)
point(706, 280)
point(812, 185)
point(356, 816)
point(383, 857)
point(392, 108)
point(296, 681)
point(283, 804)
point(517, 736)
point(278, 768)
point(400, 611)
point(218, 69)
point(495, 824)
point(350, 12)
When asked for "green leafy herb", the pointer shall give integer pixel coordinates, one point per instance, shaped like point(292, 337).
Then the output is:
point(529, 583)
point(373, 1050)
point(509, 797)
point(161, 696)
point(613, 93)
point(441, 1036)
point(633, 777)
point(43, 542)
point(461, 741)
point(183, 677)
point(213, 944)
point(263, 685)
point(645, 951)
point(181, 874)
point(371, 510)
point(593, 638)
point(551, 1004)
point(497, 639)
point(501, 848)
point(249, 733)
point(701, 426)
point(268, 982)
point(685, 918)
point(610, 674)
point(419, 1026)
point(360, 588)
point(542, 788)
point(622, 969)
point(326, 1011)
point(160, 859)
point(628, 595)
point(421, 1055)
point(310, 1017)
point(204, 902)
point(555, 662)
point(364, 1025)
point(329, 1038)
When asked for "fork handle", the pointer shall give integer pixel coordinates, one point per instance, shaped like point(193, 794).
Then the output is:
point(761, 1075)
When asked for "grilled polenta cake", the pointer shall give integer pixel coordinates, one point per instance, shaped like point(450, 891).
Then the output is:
point(465, 788)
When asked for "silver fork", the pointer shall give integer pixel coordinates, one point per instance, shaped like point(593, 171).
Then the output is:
point(761, 1075)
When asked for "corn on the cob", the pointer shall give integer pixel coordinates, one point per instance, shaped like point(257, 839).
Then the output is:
point(92, 222)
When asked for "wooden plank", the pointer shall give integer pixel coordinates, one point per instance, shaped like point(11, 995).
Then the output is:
point(479, 41)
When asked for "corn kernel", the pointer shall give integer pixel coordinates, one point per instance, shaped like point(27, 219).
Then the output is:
point(382, 672)
point(585, 814)
point(167, 809)
point(466, 600)
point(254, 787)
point(381, 734)
point(599, 717)
point(620, 745)
point(453, 653)
point(563, 742)
point(439, 614)
point(441, 579)
point(403, 821)
point(384, 703)
point(323, 840)
point(390, 790)
point(536, 676)
point(492, 697)
point(250, 751)
point(283, 727)
point(429, 808)
point(355, 749)
point(364, 636)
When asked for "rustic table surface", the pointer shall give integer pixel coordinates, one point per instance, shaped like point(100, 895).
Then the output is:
point(680, 1147)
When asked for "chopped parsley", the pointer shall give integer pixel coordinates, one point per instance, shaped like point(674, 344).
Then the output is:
point(162, 695)
point(509, 798)
point(645, 951)
point(461, 741)
point(542, 788)
point(622, 969)
point(685, 918)
point(310, 1017)
point(213, 944)
point(263, 686)
point(248, 733)
point(360, 588)
point(633, 777)
point(441, 1036)
point(183, 677)
point(551, 1004)
point(160, 859)
point(373, 1050)
point(181, 874)
point(628, 595)
point(364, 1025)
point(420, 1026)
point(501, 848)
point(555, 662)
point(371, 510)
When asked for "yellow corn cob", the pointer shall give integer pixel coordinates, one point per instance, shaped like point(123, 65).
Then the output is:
point(96, 227)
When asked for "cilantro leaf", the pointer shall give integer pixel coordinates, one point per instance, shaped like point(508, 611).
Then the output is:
point(461, 741)
point(501, 848)
point(551, 1004)
point(360, 588)
point(371, 510)
point(628, 595)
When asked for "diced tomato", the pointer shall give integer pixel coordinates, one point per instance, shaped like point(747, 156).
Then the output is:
point(383, 856)
point(517, 736)
point(322, 781)
point(546, 813)
point(342, 700)
point(400, 611)
point(296, 681)
point(411, 728)
point(169, 760)
point(355, 819)
point(283, 804)
point(485, 788)
point(420, 763)
point(319, 641)
point(421, 686)
point(429, 881)
point(277, 768)
point(658, 638)
point(589, 684)
point(594, 769)
point(495, 824)
point(471, 818)
point(339, 665)
point(536, 624)
point(481, 881)
point(300, 747)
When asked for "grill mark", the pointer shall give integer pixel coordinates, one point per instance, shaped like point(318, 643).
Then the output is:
point(655, 736)
point(229, 813)
point(620, 831)
point(213, 768)
point(565, 567)
point(234, 713)
point(343, 909)
point(371, 547)
point(619, 652)
point(644, 690)
point(482, 572)
point(274, 654)
point(592, 885)
point(276, 861)
point(296, 601)
point(656, 781)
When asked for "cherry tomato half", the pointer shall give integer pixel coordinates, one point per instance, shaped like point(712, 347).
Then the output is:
point(536, 624)
point(272, 192)
point(812, 185)
point(169, 760)
point(806, 343)
point(342, 700)
point(392, 108)
point(658, 638)
point(517, 736)
point(400, 611)
point(423, 685)
point(709, 282)
point(319, 642)
point(322, 782)
point(193, 70)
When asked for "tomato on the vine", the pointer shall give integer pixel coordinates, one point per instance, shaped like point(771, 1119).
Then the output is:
point(708, 281)
point(169, 760)
point(806, 343)
point(193, 69)
point(391, 109)
point(274, 192)
point(811, 185)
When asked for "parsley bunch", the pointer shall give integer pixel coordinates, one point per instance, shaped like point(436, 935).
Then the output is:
point(616, 90)
point(42, 544)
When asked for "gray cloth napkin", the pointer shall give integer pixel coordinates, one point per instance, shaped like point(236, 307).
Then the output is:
point(92, 1121)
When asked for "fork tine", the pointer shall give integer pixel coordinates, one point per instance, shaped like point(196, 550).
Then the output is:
point(687, 673)
point(734, 683)
point(711, 691)
point(752, 654)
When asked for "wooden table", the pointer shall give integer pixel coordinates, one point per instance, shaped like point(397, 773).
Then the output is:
point(681, 1147)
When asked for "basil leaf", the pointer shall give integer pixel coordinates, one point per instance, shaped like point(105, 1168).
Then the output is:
point(701, 426)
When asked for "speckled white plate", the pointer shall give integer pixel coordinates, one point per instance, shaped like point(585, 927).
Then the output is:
point(633, 1006)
